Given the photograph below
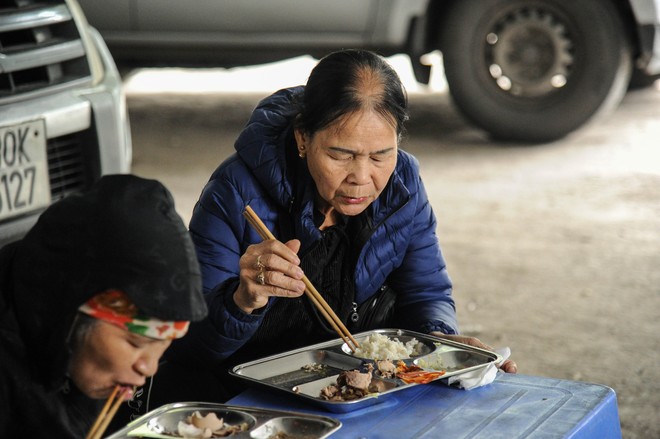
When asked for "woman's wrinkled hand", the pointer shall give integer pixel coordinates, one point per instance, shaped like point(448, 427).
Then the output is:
point(508, 366)
point(270, 268)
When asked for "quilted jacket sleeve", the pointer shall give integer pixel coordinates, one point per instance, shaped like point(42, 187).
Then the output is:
point(221, 237)
point(426, 303)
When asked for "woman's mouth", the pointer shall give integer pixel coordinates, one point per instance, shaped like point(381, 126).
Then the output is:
point(354, 200)
point(128, 390)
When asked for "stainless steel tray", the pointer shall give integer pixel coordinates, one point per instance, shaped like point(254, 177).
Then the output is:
point(285, 371)
point(262, 423)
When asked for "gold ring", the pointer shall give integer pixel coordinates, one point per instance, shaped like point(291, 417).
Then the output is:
point(261, 278)
point(260, 264)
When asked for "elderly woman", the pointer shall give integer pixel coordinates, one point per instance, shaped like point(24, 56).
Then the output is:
point(321, 166)
point(89, 301)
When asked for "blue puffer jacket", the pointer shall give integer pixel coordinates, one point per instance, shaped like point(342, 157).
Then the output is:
point(401, 251)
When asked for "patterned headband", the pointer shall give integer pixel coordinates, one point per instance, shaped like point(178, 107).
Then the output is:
point(115, 307)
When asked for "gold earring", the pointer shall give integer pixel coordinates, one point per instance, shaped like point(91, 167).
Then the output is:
point(301, 152)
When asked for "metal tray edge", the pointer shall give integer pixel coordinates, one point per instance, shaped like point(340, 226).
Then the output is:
point(255, 411)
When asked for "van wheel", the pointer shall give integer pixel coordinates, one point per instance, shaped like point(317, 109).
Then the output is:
point(532, 70)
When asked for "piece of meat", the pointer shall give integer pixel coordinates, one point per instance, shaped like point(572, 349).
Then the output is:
point(354, 379)
point(386, 368)
point(377, 386)
point(330, 392)
point(351, 385)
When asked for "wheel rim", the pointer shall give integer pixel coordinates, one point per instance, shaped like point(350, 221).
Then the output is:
point(529, 52)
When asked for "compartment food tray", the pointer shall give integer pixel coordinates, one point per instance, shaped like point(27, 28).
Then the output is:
point(304, 372)
point(262, 423)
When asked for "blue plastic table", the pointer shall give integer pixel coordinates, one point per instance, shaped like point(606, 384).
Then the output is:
point(513, 406)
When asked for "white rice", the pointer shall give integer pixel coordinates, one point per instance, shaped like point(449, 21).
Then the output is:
point(380, 347)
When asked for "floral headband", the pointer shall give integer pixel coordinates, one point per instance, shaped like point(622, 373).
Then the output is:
point(115, 307)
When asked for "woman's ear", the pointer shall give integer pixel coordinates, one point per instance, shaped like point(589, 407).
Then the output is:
point(301, 142)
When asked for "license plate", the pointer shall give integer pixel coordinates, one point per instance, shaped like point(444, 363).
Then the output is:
point(24, 183)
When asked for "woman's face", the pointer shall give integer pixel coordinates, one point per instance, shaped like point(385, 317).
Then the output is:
point(351, 161)
point(110, 355)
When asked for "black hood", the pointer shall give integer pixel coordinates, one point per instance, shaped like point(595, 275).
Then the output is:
point(122, 234)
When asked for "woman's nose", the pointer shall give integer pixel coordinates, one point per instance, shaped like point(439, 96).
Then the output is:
point(359, 172)
point(147, 365)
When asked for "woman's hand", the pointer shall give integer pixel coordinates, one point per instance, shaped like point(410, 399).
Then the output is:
point(508, 366)
point(270, 268)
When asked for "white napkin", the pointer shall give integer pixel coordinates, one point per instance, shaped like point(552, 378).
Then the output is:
point(482, 376)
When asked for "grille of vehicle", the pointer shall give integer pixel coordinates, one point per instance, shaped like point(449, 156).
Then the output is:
point(66, 165)
point(40, 47)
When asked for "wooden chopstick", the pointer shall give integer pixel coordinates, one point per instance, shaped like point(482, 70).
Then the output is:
point(310, 291)
point(107, 412)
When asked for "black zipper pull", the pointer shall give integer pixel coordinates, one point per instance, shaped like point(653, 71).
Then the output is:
point(354, 316)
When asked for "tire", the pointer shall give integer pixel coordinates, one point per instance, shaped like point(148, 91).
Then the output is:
point(534, 70)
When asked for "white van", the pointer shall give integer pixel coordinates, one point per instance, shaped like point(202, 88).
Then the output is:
point(63, 119)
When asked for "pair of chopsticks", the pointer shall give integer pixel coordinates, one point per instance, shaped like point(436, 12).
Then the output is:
point(109, 410)
point(311, 292)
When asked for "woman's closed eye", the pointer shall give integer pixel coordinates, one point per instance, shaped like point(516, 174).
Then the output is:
point(380, 156)
point(134, 343)
point(138, 341)
point(337, 154)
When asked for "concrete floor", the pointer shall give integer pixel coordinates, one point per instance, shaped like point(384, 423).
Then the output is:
point(553, 249)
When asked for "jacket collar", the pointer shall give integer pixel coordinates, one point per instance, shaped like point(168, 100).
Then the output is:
point(263, 143)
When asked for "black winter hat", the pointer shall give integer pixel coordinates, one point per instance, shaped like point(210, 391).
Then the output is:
point(122, 234)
